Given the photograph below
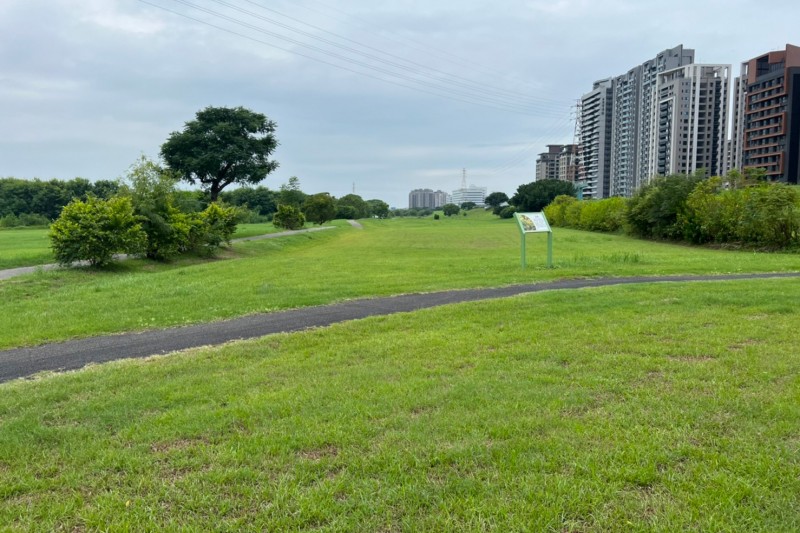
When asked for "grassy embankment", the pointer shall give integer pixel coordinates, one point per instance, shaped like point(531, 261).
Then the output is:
point(665, 407)
point(387, 257)
point(21, 247)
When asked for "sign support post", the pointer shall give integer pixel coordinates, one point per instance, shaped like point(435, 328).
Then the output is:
point(534, 223)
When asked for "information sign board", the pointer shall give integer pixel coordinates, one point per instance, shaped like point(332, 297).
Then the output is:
point(535, 223)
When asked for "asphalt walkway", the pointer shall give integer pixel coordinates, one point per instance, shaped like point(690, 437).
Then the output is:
point(70, 355)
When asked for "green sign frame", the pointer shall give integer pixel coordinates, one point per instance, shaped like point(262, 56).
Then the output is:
point(535, 223)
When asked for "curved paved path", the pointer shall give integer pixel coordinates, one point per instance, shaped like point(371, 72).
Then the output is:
point(14, 272)
point(70, 355)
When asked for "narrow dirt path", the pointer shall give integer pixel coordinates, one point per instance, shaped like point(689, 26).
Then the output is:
point(70, 355)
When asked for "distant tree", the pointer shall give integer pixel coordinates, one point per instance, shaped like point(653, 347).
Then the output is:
point(346, 212)
point(259, 199)
point(496, 200)
point(355, 201)
point(290, 193)
point(535, 196)
point(95, 230)
point(450, 209)
point(378, 208)
point(466, 206)
point(288, 217)
point(222, 146)
point(319, 208)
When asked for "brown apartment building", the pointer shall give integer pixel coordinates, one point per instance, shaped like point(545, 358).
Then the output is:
point(766, 126)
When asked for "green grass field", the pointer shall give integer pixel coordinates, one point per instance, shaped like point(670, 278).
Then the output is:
point(31, 247)
point(24, 247)
point(387, 257)
point(655, 407)
point(663, 407)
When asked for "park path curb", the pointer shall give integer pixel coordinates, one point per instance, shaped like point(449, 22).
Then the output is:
point(71, 355)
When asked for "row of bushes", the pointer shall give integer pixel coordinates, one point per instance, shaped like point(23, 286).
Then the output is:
point(737, 209)
point(143, 218)
point(591, 215)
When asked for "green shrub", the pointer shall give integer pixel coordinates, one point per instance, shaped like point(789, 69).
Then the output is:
point(770, 216)
point(556, 210)
point(95, 230)
point(656, 209)
point(572, 214)
point(288, 217)
point(607, 214)
point(508, 212)
point(220, 222)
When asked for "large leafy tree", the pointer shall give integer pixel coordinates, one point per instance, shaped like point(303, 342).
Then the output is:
point(361, 208)
point(222, 146)
point(535, 196)
point(319, 208)
point(290, 193)
point(496, 201)
point(378, 208)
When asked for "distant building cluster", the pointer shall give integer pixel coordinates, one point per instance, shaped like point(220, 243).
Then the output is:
point(558, 163)
point(670, 115)
point(428, 198)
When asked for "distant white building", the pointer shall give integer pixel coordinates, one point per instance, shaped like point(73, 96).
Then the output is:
point(469, 194)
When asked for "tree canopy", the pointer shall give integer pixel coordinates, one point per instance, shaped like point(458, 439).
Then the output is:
point(222, 146)
point(356, 202)
point(378, 208)
point(450, 209)
point(535, 196)
point(319, 208)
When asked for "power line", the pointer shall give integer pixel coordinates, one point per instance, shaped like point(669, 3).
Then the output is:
point(364, 25)
point(459, 80)
point(441, 91)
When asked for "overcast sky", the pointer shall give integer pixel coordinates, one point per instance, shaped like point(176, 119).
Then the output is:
point(384, 96)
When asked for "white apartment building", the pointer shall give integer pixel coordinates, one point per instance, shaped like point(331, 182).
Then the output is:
point(469, 194)
point(688, 122)
point(594, 151)
point(634, 96)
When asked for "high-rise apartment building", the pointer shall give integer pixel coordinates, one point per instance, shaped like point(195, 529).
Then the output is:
point(767, 123)
point(634, 97)
point(426, 198)
point(547, 163)
point(557, 163)
point(688, 123)
point(594, 150)
point(567, 163)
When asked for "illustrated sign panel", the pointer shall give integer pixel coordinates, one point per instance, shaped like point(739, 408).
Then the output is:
point(532, 222)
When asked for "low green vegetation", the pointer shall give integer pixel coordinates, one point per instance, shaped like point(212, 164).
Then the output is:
point(663, 407)
point(738, 210)
point(24, 247)
point(391, 256)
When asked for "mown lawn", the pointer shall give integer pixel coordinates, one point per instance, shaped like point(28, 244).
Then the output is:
point(31, 246)
point(661, 407)
point(386, 257)
point(24, 247)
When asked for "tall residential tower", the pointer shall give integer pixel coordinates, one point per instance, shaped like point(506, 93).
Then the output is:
point(766, 131)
